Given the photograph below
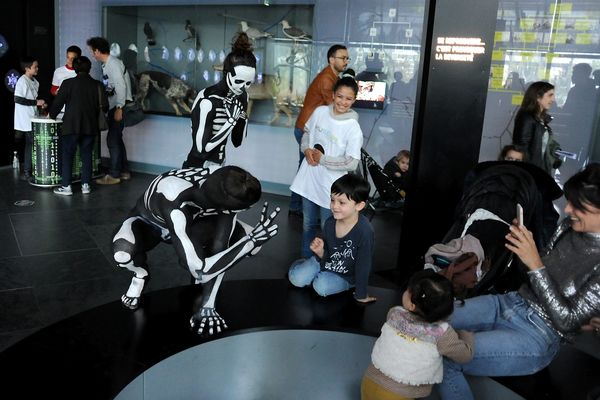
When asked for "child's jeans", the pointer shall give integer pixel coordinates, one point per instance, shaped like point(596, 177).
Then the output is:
point(304, 272)
point(296, 199)
point(311, 213)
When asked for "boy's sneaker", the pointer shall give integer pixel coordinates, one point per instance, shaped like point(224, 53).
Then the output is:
point(64, 190)
point(85, 188)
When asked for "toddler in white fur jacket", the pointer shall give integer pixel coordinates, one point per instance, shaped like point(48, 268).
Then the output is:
point(407, 358)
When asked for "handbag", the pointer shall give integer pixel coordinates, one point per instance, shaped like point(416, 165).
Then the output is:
point(102, 121)
point(551, 159)
point(133, 113)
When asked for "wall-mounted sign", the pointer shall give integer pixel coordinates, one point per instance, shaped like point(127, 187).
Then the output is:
point(461, 49)
point(10, 80)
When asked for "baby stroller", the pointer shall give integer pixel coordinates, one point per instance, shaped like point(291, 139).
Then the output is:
point(387, 194)
point(487, 207)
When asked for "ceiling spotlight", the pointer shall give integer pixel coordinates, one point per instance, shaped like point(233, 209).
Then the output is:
point(266, 2)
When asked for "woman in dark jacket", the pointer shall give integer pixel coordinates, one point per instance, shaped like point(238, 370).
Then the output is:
point(83, 97)
point(532, 131)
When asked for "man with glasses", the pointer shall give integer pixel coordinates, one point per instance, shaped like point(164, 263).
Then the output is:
point(319, 93)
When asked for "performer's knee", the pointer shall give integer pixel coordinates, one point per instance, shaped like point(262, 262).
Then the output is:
point(122, 257)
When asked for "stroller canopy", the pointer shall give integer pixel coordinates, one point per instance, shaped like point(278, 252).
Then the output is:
point(488, 205)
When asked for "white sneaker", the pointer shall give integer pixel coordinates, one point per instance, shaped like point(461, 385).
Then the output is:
point(85, 188)
point(64, 190)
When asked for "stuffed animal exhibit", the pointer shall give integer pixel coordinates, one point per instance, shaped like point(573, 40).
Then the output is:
point(179, 95)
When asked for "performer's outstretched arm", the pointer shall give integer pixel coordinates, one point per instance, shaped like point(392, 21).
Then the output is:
point(212, 268)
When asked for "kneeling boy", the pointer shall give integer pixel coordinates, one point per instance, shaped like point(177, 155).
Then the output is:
point(344, 255)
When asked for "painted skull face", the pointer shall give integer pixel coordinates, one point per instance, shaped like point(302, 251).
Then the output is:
point(240, 79)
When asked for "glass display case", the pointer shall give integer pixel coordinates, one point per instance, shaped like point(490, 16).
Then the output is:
point(172, 52)
point(183, 47)
point(554, 42)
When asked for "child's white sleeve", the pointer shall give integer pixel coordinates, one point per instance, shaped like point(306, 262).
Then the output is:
point(21, 88)
point(355, 142)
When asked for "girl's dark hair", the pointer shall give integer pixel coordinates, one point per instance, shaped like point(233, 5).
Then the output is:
point(354, 186)
point(432, 294)
point(347, 81)
point(535, 91)
point(241, 53)
point(583, 188)
point(511, 147)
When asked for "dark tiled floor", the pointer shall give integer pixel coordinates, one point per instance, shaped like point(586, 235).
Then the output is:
point(55, 263)
point(55, 259)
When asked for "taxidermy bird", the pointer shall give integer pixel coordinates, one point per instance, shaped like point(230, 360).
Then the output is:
point(149, 34)
point(191, 33)
point(253, 33)
point(293, 32)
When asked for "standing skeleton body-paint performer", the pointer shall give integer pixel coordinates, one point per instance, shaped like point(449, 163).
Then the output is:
point(195, 209)
point(220, 110)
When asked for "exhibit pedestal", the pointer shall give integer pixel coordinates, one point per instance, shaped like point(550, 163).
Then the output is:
point(46, 154)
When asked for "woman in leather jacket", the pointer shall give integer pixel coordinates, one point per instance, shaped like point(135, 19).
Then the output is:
point(519, 333)
point(532, 130)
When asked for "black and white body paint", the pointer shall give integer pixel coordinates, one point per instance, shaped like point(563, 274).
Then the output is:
point(195, 210)
point(219, 111)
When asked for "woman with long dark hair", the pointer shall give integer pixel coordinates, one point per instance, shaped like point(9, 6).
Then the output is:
point(532, 130)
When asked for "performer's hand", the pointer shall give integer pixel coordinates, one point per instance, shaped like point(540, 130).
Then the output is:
point(207, 320)
point(118, 114)
point(520, 241)
point(234, 109)
point(318, 246)
point(265, 229)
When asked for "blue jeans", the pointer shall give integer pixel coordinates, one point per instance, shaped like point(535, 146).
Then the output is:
point(116, 147)
point(296, 199)
point(511, 339)
point(304, 272)
point(311, 213)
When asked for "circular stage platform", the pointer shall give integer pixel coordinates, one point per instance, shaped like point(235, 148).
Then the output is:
point(282, 343)
point(96, 354)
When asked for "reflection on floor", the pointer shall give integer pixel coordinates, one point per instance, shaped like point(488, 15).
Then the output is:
point(55, 263)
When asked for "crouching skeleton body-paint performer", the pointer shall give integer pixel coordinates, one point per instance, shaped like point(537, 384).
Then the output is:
point(195, 210)
point(220, 110)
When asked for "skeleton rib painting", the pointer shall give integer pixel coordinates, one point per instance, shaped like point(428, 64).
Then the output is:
point(220, 111)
